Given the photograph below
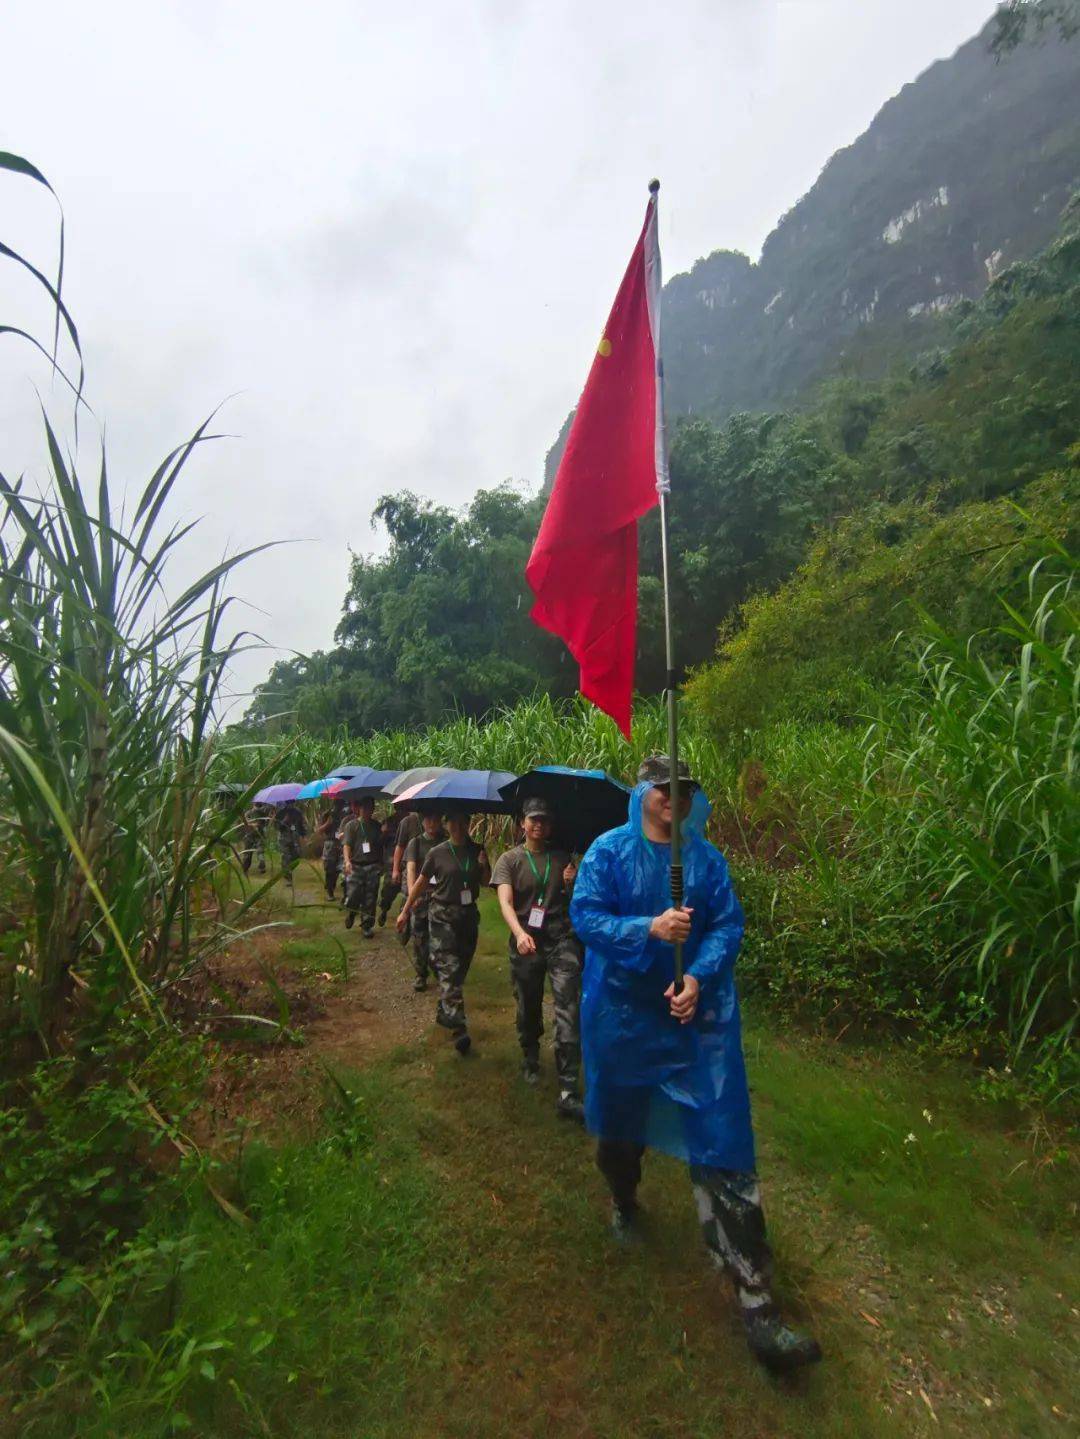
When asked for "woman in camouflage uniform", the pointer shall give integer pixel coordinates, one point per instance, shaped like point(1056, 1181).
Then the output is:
point(534, 884)
point(454, 870)
point(362, 847)
point(329, 828)
point(416, 852)
point(291, 829)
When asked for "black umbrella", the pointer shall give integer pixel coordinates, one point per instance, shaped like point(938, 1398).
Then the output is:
point(587, 802)
point(369, 783)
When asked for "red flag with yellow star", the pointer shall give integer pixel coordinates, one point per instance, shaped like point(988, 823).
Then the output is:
point(584, 565)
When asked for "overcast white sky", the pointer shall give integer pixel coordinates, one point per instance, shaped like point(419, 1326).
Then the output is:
point(391, 233)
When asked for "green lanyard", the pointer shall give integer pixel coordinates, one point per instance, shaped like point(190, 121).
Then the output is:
point(464, 868)
point(536, 874)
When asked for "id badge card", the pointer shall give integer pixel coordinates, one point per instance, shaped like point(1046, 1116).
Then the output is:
point(536, 917)
point(466, 896)
point(365, 848)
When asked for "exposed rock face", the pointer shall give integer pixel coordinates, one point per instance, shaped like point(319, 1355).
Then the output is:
point(961, 174)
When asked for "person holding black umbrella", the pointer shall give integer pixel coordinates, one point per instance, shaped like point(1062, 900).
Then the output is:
point(454, 871)
point(534, 883)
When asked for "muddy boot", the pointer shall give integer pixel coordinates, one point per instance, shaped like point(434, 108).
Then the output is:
point(625, 1226)
point(780, 1349)
point(350, 918)
point(569, 1106)
point(463, 1042)
point(530, 1066)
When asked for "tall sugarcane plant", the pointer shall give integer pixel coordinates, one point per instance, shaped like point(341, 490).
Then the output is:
point(107, 718)
point(108, 691)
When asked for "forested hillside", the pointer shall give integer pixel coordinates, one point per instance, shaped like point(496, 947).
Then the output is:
point(440, 622)
point(959, 176)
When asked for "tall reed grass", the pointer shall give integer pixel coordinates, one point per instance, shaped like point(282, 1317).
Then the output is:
point(971, 793)
point(538, 730)
point(107, 735)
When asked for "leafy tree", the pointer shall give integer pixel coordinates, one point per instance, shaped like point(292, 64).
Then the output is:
point(435, 625)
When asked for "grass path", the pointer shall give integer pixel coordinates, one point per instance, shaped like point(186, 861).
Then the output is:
point(430, 1254)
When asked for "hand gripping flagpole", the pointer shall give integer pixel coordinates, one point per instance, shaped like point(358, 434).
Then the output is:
point(663, 489)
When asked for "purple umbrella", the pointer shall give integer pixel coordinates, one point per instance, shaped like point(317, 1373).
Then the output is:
point(277, 794)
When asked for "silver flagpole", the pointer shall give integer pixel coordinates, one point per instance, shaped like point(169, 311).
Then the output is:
point(663, 486)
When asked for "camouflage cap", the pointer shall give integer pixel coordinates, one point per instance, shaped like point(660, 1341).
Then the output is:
point(656, 769)
point(536, 807)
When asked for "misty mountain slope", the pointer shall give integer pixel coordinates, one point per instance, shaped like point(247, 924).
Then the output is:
point(961, 174)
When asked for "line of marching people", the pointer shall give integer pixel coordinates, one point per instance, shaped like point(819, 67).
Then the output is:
point(432, 858)
point(664, 1064)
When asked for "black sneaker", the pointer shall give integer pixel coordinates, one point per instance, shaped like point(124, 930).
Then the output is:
point(569, 1106)
point(350, 918)
point(463, 1043)
point(419, 985)
point(625, 1229)
point(779, 1348)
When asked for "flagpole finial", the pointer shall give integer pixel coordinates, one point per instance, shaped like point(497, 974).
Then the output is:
point(654, 185)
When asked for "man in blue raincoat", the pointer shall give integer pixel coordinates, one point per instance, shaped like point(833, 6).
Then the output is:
point(665, 1069)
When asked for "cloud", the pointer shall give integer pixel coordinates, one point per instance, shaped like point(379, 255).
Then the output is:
point(392, 234)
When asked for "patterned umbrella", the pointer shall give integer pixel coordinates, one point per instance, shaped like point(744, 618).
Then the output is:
point(476, 790)
point(409, 777)
point(330, 785)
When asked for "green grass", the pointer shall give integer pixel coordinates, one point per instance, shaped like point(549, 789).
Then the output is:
point(433, 1260)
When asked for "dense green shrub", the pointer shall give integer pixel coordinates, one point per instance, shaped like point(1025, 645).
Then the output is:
point(823, 641)
point(940, 882)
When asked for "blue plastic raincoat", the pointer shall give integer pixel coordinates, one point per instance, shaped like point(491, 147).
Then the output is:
point(650, 1080)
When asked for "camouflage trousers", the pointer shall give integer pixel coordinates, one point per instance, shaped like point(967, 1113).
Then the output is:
point(332, 862)
point(388, 893)
point(729, 1211)
point(558, 956)
point(362, 892)
point(421, 941)
point(252, 845)
point(453, 931)
point(289, 848)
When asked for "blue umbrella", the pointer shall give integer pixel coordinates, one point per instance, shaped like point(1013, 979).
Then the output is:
point(347, 771)
point(319, 786)
point(478, 790)
point(587, 802)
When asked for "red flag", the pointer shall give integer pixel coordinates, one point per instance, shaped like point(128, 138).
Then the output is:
point(584, 566)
